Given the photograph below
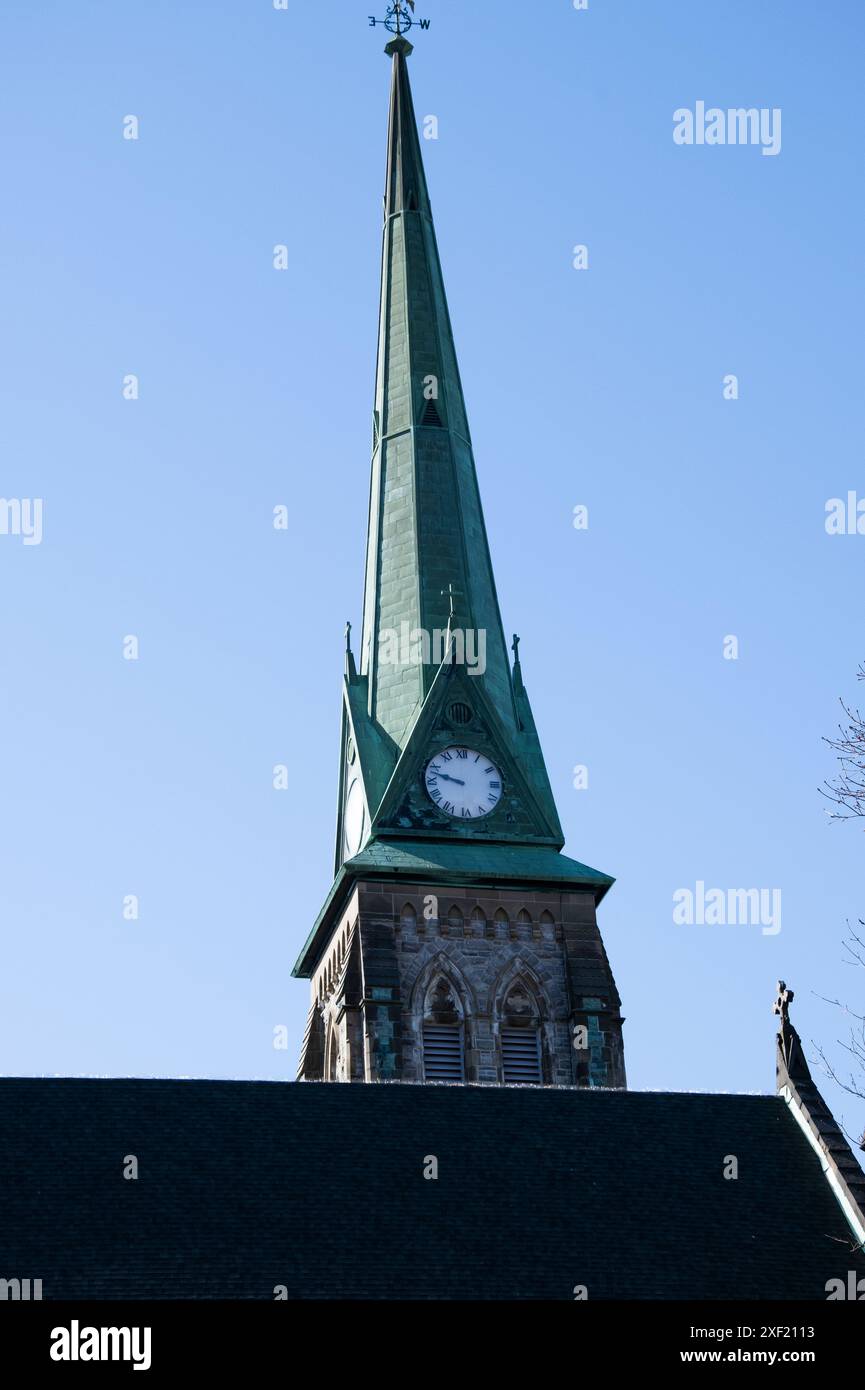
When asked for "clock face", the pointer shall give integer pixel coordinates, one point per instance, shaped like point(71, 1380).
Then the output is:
point(463, 783)
point(354, 819)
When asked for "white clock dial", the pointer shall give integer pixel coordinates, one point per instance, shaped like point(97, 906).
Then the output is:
point(354, 819)
point(463, 783)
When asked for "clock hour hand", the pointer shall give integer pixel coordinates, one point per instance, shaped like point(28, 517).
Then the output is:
point(458, 780)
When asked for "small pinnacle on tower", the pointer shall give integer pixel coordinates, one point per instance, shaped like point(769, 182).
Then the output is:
point(350, 668)
point(781, 1006)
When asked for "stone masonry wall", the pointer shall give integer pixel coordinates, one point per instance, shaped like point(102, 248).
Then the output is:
point(401, 941)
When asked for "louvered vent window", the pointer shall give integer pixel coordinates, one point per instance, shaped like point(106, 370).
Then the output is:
point(442, 1052)
point(431, 414)
point(521, 1056)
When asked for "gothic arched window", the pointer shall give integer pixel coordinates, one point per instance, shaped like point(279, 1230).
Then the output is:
point(521, 1037)
point(332, 1054)
point(442, 1033)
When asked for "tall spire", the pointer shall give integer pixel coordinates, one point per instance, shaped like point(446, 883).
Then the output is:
point(443, 787)
point(427, 537)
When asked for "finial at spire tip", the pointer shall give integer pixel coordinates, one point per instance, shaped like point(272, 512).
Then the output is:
point(399, 45)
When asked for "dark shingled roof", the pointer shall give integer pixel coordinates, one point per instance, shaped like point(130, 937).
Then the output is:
point(246, 1185)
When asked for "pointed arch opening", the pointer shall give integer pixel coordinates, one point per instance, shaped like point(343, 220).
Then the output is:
point(431, 416)
point(443, 1050)
point(332, 1054)
point(442, 1010)
point(547, 926)
point(520, 1013)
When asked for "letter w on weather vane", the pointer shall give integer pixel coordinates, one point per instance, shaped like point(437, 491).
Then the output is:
point(400, 18)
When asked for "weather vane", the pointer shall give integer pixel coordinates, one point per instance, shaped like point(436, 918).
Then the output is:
point(400, 18)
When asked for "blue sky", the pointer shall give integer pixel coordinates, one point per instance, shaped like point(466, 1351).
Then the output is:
point(601, 387)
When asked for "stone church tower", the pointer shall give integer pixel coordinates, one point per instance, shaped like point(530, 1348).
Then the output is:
point(457, 942)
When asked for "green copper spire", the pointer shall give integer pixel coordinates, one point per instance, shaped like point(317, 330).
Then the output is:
point(426, 529)
point(441, 771)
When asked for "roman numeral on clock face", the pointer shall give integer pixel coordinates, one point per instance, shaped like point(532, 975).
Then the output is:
point(463, 783)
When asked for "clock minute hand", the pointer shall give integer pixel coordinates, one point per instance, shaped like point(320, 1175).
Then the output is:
point(458, 780)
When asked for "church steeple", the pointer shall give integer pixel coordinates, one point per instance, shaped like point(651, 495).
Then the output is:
point(457, 941)
point(426, 528)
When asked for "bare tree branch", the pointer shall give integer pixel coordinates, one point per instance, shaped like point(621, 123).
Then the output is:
point(846, 792)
